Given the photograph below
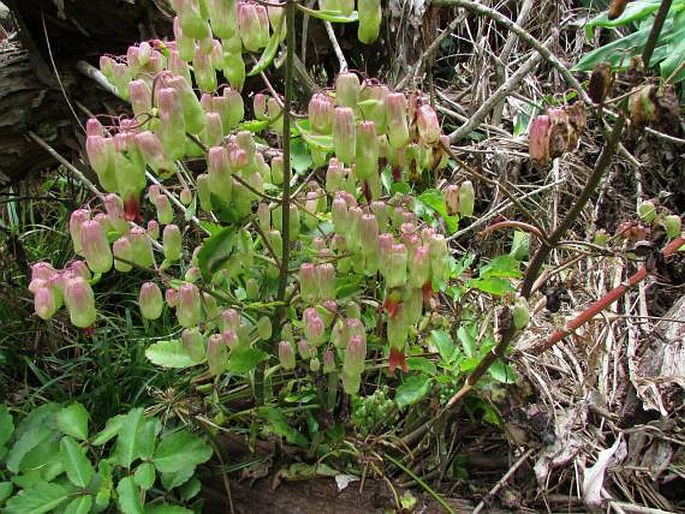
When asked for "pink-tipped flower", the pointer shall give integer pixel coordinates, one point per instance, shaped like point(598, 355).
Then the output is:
point(122, 255)
point(189, 308)
point(366, 158)
point(398, 331)
point(344, 134)
point(80, 301)
point(325, 281)
point(305, 350)
point(231, 339)
point(194, 343)
point(217, 354)
point(141, 248)
point(231, 108)
point(178, 66)
point(396, 115)
point(150, 301)
point(165, 212)
point(259, 106)
point(321, 113)
point(171, 297)
point(439, 252)
point(329, 361)
point(213, 133)
point(76, 221)
point(396, 272)
point(286, 355)
point(374, 98)
point(193, 113)
point(193, 22)
point(172, 127)
point(203, 67)
point(308, 282)
point(141, 97)
point(313, 325)
point(186, 195)
point(42, 274)
point(100, 151)
point(46, 302)
point(184, 44)
point(223, 16)
point(353, 364)
point(369, 20)
point(171, 242)
point(253, 24)
point(230, 319)
point(153, 229)
point(347, 89)
point(420, 267)
point(428, 125)
point(95, 247)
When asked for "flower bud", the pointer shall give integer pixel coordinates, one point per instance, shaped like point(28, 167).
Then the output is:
point(398, 331)
point(171, 242)
point(234, 69)
point(305, 350)
point(396, 272)
point(172, 126)
point(439, 252)
point(466, 199)
point(165, 212)
point(80, 301)
point(122, 254)
point(325, 281)
point(194, 343)
point(230, 320)
point(428, 125)
point(520, 313)
point(259, 106)
point(373, 104)
point(141, 98)
point(539, 139)
point(203, 192)
point(354, 360)
point(308, 282)
point(347, 89)
point(328, 361)
point(344, 135)
point(217, 355)
point(320, 112)
point(95, 247)
point(230, 107)
point(277, 170)
point(100, 151)
point(192, 274)
point(369, 20)
point(150, 301)
point(286, 355)
point(366, 158)
point(420, 267)
point(171, 297)
point(220, 181)
point(45, 302)
point(223, 16)
point(186, 196)
point(76, 221)
point(672, 224)
point(193, 113)
point(253, 23)
point(141, 248)
point(396, 116)
point(313, 326)
point(192, 21)
point(601, 82)
point(189, 308)
point(213, 133)
point(177, 65)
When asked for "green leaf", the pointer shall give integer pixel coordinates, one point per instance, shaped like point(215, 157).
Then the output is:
point(280, 426)
point(167, 509)
point(421, 364)
point(128, 497)
point(245, 360)
point(215, 252)
point(501, 266)
point(495, 285)
point(6, 489)
point(104, 492)
point(502, 372)
point(179, 450)
point(414, 389)
point(332, 16)
point(80, 505)
point(111, 430)
point(44, 459)
point(634, 11)
point(144, 476)
point(178, 478)
point(269, 52)
point(73, 421)
point(190, 489)
point(169, 354)
point(520, 245)
point(147, 438)
point(322, 142)
point(300, 157)
point(76, 464)
point(6, 425)
point(39, 498)
point(125, 451)
point(467, 338)
point(443, 342)
point(435, 200)
point(27, 442)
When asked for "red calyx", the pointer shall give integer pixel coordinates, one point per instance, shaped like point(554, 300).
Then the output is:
point(396, 360)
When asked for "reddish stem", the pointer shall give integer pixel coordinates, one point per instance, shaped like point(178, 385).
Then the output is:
point(525, 227)
point(605, 301)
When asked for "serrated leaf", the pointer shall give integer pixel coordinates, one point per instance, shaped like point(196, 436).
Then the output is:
point(80, 505)
point(496, 286)
point(300, 158)
point(190, 489)
point(413, 390)
point(144, 476)
point(177, 479)
point(77, 466)
point(44, 459)
point(27, 442)
point(245, 360)
point(320, 141)
point(73, 421)
point(128, 496)
point(104, 492)
point(6, 425)
point(269, 52)
point(501, 266)
point(111, 430)
point(179, 450)
point(215, 251)
point(502, 372)
point(125, 451)
point(467, 338)
point(169, 354)
point(167, 509)
point(421, 364)
point(39, 498)
point(332, 16)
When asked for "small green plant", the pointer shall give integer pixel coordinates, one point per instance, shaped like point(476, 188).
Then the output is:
point(52, 463)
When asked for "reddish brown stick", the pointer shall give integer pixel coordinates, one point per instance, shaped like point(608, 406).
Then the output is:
point(605, 301)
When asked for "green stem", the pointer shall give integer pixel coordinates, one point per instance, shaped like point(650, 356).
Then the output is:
point(423, 484)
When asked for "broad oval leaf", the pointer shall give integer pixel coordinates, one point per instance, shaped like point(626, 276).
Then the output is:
point(179, 450)
point(144, 476)
point(126, 450)
point(128, 497)
point(37, 499)
point(244, 361)
point(170, 354)
point(168, 509)
point(73, 420)
point(80, 505)
point(6, 425)
point(77, 466)
point(27, 442)
point(111, 430)
point(215, 252)
point(413, 390)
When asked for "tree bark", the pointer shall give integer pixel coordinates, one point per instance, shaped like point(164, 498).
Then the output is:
point(38, 75)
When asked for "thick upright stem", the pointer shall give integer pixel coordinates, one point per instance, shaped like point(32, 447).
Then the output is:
point(659, 21)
